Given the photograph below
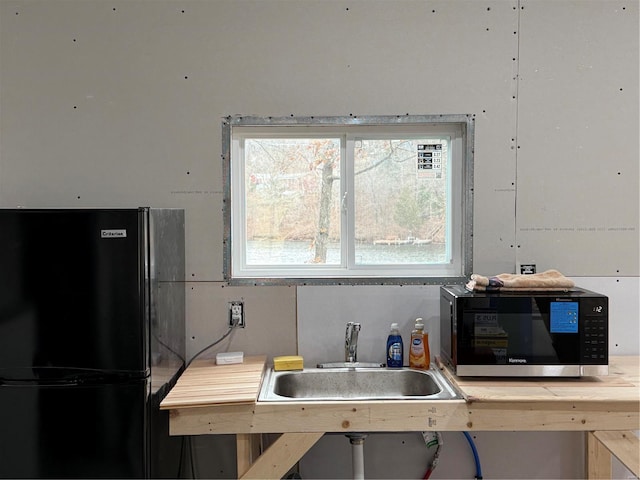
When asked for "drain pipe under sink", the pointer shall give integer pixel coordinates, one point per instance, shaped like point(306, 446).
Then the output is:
point(357, 454)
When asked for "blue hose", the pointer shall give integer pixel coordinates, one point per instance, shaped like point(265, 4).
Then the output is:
point(476, 457)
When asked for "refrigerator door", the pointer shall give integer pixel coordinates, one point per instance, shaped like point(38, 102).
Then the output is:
point(89, 431)
point(73, 291)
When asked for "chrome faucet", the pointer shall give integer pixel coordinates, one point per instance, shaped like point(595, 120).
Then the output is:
point(351, 352)
point(351, 342)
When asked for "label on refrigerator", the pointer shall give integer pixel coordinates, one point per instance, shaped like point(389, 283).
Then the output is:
point(121, 233)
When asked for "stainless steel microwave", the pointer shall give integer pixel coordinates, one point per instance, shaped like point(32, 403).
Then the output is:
point(524, 334)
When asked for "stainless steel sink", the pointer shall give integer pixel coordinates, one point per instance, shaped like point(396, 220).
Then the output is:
point(330, 384)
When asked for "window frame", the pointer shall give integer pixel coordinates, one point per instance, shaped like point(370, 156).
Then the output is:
point(461, 189)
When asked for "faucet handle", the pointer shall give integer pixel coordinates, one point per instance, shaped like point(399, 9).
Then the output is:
point(351, 342)
point(353, 325)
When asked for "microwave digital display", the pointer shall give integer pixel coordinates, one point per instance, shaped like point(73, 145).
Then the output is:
point(563, 317)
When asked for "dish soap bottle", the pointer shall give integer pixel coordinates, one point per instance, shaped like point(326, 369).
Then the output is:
point(419, 354)
point(395, 350)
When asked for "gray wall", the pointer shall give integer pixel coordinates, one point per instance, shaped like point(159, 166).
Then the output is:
point(119, 103)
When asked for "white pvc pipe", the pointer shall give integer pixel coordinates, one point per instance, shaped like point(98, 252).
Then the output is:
point(357, 458)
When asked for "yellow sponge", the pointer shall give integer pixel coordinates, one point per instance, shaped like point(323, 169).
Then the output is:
point(288, 362)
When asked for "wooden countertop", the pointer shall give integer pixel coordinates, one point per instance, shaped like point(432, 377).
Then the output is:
point(621, 385)
point(597, 403)
point(211, 399)
point(204, 384)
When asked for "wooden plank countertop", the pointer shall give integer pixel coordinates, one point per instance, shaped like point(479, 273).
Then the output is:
point(602, 403)
point(205, 384)
point(211, 399)
point(621, 385)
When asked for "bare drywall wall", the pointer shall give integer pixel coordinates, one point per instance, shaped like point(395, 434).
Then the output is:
point(120, 103)
point(577, 155)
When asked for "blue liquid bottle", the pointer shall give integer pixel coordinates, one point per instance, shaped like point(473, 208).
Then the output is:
point(395, 349)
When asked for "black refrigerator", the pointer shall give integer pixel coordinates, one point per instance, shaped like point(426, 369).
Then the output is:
point(92, 308)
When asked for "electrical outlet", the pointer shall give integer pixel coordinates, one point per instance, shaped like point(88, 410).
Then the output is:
point(236, 314)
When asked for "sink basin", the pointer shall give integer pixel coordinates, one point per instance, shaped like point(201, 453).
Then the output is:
point(330, 384)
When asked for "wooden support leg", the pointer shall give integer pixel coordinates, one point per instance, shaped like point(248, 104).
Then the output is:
point(247, 451)
point(598, 459)
point(624, 445)
point(281, 456)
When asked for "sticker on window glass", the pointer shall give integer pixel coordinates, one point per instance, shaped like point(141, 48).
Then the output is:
point(429, 158)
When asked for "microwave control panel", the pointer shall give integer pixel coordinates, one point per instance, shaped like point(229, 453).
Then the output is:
point(594, 337)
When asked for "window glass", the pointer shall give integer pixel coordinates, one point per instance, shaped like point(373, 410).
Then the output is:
point(289, 190)
point(401, 210)
point(343, 200)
